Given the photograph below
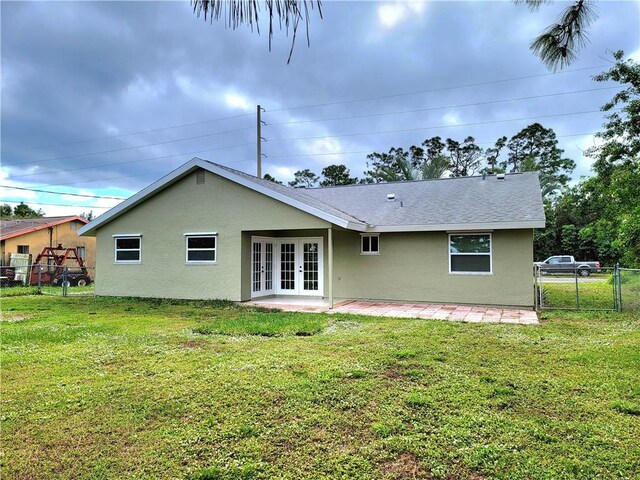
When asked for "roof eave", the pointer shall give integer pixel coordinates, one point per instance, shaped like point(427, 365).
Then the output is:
point(458, 227)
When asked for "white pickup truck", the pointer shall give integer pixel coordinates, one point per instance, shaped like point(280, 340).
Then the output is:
point(567, 264)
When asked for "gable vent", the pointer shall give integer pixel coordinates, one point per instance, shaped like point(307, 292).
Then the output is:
point(200, 177)
point(391, 197)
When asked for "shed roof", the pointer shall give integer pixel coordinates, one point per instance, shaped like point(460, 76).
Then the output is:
point(19, 226)
point(466, 203)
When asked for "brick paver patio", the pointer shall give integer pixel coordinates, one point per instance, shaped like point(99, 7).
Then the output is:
point(460, 313)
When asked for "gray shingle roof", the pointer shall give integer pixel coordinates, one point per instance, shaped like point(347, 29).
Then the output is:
point(466, 200)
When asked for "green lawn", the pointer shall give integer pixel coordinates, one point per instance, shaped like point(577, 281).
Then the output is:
point(122, 388)
point(591, 295)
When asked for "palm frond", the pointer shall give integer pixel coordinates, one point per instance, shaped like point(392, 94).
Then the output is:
point(247, 12)
point(557, 46)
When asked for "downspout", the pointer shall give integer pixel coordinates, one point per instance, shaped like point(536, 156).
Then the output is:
point(330, 255)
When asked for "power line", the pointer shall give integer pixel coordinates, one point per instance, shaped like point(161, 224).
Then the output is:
point(126, 148)
point(433, 127)
point(369, 151)
point(131, 161)
point(126, 134)
point(298, 107)
point(164, 172)
point(400, 112)
point(490, 82)
point(62, 193)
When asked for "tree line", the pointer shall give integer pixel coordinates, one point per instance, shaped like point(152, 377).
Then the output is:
point(597, 218)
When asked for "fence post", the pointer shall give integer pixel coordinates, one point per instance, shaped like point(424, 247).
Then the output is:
point(619, 290)
point(64, 280)
point(575, 273)
point(536, 300)
point(39, 278)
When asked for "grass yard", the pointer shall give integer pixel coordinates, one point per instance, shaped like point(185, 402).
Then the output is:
point(592, 295)
point(124, 388)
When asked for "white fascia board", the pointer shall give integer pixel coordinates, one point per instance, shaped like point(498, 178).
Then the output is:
point(197, 162)
point(458, 227)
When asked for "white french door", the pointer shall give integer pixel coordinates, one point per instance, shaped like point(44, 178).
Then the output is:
point(262, 263)
point(286, 266)
point(299, 266)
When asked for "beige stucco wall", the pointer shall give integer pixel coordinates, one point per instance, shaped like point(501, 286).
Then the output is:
point(415, 267)
point(216, 206)
point(61, 234)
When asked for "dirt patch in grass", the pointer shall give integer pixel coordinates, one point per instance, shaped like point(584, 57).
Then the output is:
point(192, 343)
point(404, 466)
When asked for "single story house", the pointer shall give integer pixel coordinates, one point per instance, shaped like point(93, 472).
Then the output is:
point(206, 231)
point(32, 235)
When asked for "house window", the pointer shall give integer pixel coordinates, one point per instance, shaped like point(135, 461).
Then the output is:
point(370, 245)
point(23, 248)
point(128, 248)
point(74, 225)
point(470, 253)
point(201, 247)
point(82, 253)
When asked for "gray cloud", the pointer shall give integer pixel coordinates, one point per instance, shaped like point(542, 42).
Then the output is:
point(74, 71)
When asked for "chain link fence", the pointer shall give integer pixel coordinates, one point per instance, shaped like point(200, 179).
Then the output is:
point(629, 289)
point(609, 289)
point(43, 279)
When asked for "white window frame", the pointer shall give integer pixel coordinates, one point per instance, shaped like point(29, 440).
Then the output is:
point(120, 236)
point(490, 254)
point(187, 236)
point(369, 236)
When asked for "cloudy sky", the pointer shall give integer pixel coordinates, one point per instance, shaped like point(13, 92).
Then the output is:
point(104, 98)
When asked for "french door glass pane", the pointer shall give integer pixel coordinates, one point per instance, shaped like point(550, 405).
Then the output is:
point(268, 266)
point(287, 266)
point(310, 266)
point(257, 265)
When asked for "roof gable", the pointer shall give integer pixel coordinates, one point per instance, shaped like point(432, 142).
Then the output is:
point(287, 195)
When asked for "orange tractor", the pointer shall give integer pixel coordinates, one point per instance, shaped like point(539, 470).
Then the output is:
point(49, 268)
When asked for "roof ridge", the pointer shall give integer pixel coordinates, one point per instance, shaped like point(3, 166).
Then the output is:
point(396, 182)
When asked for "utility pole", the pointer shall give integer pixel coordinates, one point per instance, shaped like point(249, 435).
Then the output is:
point(259, 141)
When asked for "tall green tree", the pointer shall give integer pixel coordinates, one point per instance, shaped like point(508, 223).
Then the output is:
point(464, 158)
point(492, 154)
point(605, 208)
point(334, 175)
point(272, 179)
point(421, 162)
point(621, 134)
point(541, 144)
point(304, 179)
point(25, 211)
point(6, 211)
